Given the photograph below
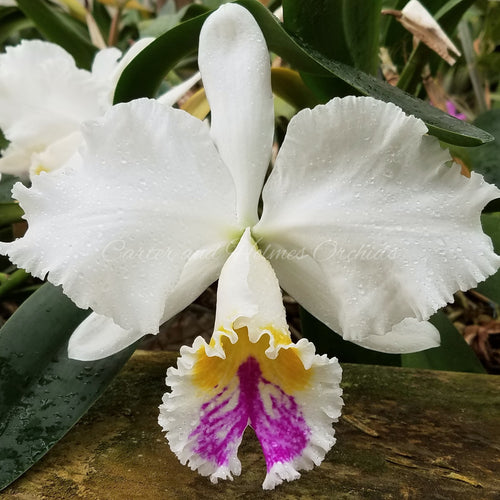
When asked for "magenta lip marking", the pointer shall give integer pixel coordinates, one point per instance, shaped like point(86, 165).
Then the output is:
point(283, 432)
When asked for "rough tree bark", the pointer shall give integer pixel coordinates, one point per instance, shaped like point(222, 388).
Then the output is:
point(404, 434)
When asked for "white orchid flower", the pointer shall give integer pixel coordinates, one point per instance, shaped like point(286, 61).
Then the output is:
point(44, 98)
point(364, 222)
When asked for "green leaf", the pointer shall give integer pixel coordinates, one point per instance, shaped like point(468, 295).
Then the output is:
point(144, 74)
point(6, 184)
point(362, 29)
point(60, 28)
point(42, 392)
point(486, 159)
point(12, 20)
point(322, 29)
point(12, 281)
point(330, 343)
point(156, 60)
point(320, 26)
point(10, 212)
point(454, 354)
point(491, 287)
point(288, 85)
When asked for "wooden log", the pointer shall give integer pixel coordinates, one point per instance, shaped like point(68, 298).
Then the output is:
point(404, 434)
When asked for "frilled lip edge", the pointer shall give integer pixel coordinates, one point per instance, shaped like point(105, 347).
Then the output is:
point(205, 428)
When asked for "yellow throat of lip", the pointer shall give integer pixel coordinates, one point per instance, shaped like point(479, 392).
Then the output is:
point(211, 374)
point(38, 170)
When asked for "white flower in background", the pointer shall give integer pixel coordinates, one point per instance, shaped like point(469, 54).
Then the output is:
point(44, 98)
point(364, 223)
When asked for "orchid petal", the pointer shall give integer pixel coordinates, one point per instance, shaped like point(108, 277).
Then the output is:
point(200, 271)
point(234, 64)
point(127, 57)
point(144, 206)
point(251, 374)
point(56, 154)
point(408, 336)
point(98, 337)
point(105, 62)
point(389, 230)
point(15, 161)
point(43, 95)
point(174, 94)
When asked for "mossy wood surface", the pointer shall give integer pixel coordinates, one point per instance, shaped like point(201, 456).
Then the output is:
point(404, 434)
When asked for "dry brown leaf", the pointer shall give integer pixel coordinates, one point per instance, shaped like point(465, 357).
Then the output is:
point(417, 20)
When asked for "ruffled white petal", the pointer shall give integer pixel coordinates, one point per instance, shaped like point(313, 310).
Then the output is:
point(251, 374)
point(44, 98)
point(234, 64)
point(98, 337)
point(408, 336)
point(43, 95)
point(117, 232)
point(381, 228)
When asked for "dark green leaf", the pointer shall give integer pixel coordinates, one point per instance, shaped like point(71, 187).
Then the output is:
point(42, 392)
point(6, 183)
point(454, 354)
point(491, 287)
point(486, 159)
point(330, 343)
point(10, 212)
point(13, 282)
point(362, 31)
point(144, 74)
point(12, 20)
point(60, 28)
point(321, 26)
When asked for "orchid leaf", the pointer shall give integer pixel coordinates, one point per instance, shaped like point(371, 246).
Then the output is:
point(491, 287)
point(6, 183)
point(454, 354)
point(10, 212)
point(42, 392)
point(60, 28)
point(321, 27)
point(288, 85)
point(486, 159)
point(362, 29)
point(12, 20)
point(143, 76)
